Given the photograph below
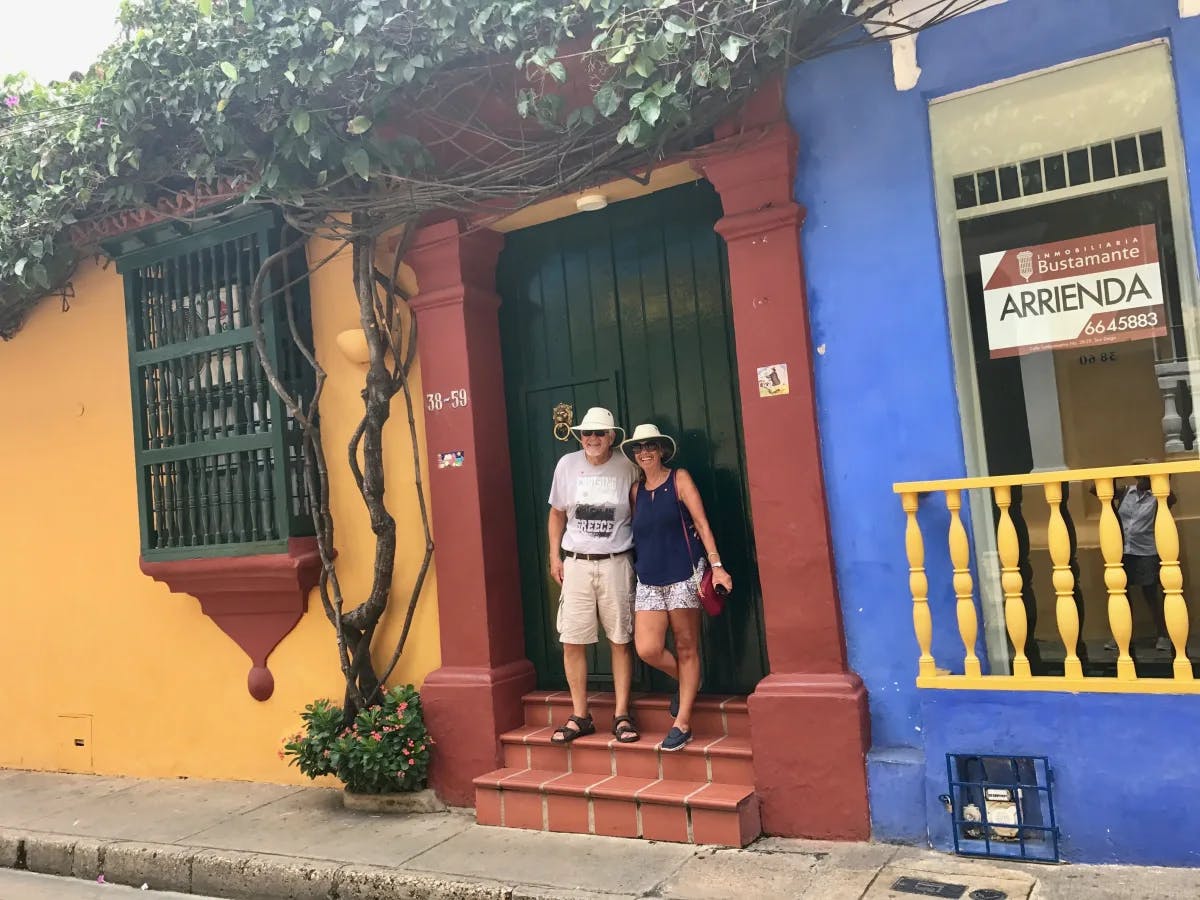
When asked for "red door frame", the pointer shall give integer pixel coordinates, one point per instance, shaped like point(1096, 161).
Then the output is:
point(809, 723)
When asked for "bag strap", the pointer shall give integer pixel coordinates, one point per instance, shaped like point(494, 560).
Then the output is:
point(683, 522)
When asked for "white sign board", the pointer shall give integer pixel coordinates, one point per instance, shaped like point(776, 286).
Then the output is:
point(1097, 289)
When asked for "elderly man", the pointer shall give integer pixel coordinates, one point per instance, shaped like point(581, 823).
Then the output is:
point(591, 542)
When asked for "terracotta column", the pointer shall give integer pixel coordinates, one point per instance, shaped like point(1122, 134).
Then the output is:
point(476, 694)
point(809, 724)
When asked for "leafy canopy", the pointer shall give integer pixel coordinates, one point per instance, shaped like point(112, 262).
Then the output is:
point(319, 104)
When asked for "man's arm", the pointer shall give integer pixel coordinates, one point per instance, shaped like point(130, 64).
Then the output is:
point(555, 526)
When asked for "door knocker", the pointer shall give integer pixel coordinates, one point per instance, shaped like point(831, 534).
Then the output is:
point(564, 417)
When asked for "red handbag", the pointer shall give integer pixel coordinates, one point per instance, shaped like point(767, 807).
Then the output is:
point(712, 597)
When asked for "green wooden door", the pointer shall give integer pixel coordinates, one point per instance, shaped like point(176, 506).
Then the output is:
point(628, 308)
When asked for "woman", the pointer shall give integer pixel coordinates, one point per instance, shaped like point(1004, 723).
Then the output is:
point(671, 538)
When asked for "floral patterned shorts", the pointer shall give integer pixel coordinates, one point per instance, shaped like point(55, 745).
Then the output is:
point(663, 597)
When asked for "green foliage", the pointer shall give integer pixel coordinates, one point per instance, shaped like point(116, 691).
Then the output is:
point(304, 102)
point(385, 750)
point(311, 751)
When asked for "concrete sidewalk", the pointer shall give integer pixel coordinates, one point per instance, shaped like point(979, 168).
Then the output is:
point(241, 840)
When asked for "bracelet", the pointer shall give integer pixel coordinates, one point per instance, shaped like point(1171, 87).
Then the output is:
point(716, 564)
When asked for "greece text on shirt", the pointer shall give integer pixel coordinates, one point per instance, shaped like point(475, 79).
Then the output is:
point(596, 500)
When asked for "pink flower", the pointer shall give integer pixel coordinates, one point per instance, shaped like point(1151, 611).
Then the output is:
point(11, 100)
point(402, 707)
point(281, 754)
point(377, 735)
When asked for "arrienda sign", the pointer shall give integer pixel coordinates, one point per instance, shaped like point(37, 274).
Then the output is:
point(1096, 289)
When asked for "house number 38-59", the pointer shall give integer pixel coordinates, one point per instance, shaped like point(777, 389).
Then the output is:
point(455, 400)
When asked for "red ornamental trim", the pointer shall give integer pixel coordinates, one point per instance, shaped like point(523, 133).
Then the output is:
point(256, 600)
point(91, 232)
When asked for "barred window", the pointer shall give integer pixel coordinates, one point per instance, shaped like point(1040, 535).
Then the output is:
point(218, 456)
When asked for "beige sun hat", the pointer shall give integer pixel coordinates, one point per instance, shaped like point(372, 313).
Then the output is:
point(598, 419)
point(648, 432)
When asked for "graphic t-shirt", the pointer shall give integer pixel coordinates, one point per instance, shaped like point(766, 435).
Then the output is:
point(596, 501)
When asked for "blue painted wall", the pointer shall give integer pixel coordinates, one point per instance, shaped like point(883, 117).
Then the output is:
point(884, 370)
point(1126, 776)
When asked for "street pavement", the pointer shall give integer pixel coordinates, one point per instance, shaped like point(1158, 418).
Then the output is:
point(269, 842)
point(16, 885)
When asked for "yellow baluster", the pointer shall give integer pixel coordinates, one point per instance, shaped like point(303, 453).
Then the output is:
point(960, 557)
point(1112, 547)
point(919, 585)
point(1064, 581)
point(1166, 537)
point(1010, 582)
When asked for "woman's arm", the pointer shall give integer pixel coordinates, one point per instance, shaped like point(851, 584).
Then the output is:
point(690, 497)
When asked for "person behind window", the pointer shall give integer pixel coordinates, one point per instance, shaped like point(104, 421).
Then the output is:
point(1137, 508)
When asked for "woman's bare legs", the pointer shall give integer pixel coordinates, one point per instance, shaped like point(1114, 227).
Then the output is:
point(650, 636)
point(685, 625)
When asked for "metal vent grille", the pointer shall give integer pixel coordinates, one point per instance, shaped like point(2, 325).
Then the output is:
point(1002, 807)
point(218, 473)
point(1058, 171)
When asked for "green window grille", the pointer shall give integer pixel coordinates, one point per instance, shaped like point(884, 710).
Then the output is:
point(219, 469)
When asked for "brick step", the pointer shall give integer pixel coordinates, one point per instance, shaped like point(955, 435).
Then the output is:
point(715, 714)
point(656, 809)
point(725, 759)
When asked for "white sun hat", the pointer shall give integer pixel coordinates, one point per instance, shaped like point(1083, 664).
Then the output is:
point(647, 432)
point(598, 419)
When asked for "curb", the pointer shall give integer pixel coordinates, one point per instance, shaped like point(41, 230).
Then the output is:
point(232, 874)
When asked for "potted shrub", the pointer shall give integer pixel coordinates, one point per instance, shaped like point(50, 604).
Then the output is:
point(382, 757)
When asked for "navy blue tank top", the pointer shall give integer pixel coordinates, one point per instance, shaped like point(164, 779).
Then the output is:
point(663, 554)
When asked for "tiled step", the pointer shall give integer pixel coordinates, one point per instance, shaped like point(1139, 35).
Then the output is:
point(721, 758)
point(712, 714)
point(619, 806)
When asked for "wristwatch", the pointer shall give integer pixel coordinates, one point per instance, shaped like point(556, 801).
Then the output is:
point(717, 564)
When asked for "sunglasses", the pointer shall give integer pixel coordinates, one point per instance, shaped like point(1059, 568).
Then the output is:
point(593, 433)
point(635, 449)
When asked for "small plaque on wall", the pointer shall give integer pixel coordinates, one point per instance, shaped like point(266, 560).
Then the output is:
point(773, 380)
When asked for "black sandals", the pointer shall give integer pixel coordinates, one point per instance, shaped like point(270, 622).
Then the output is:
point(564, 734)
point(624, 730)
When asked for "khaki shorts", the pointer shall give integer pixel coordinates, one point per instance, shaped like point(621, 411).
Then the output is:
point(596, 592)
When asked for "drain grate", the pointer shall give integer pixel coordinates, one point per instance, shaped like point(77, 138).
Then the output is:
point(1002, 807)
point(988, 894)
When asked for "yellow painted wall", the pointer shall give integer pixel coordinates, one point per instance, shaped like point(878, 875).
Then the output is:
point(84, 634)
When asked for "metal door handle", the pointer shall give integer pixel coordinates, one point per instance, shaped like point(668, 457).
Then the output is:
point(564, 418)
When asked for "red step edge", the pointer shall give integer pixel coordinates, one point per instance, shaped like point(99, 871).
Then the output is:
point(619, 806)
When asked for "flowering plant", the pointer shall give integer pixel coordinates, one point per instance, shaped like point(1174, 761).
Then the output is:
point(385, 750)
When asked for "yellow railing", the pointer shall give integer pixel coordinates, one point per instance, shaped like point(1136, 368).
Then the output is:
point(1059, 546)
